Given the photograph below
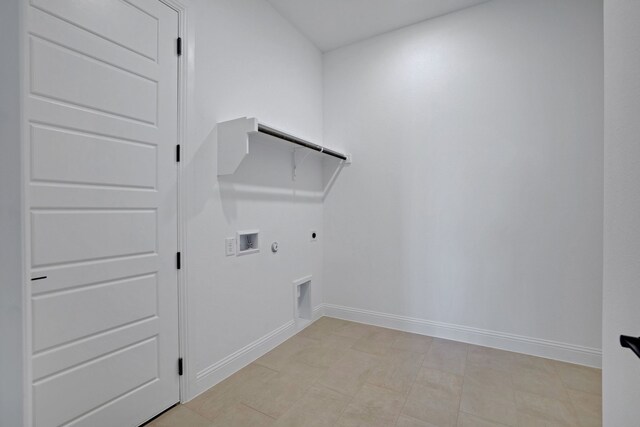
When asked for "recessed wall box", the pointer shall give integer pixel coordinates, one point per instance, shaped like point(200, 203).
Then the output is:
point(302, 301)
point(248, 242)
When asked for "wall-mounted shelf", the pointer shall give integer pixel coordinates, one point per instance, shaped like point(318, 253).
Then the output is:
point(233, 143)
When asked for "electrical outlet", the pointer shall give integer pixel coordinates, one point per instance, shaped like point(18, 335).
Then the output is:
point(230, 246)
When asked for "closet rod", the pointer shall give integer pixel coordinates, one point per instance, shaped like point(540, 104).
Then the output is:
point(278, 134)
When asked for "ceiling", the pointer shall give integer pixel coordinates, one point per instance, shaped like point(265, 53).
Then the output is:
point(334, 23)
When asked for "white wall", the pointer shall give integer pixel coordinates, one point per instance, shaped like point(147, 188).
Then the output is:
point(11, 276)
point(621, 368)
point(475, 197)
point(246, 60)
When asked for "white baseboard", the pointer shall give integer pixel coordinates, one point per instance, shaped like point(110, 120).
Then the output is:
point(217, 372)
point(510, 342)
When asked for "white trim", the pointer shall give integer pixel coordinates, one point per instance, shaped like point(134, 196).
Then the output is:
point(27, 389)
point(183, 308)
point(521, 344)
point(302, 280)
point(217, 372)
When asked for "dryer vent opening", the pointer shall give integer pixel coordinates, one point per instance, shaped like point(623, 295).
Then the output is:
point(303, 301)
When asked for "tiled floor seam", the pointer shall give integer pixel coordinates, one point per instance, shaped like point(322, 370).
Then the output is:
point(413, 383)
point(575, 409)
point(464, 377)
point(257, 410)
point(344, 408)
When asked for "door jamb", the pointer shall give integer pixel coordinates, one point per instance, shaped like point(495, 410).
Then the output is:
point(183, 73)
point(27, 374)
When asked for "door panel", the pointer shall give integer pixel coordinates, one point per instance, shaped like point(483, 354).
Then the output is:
point(128, 164)
point(96, 308)
point(119, 92)
point(70, 236)
point(102, 120)
point(129, 369)
point(136, 29)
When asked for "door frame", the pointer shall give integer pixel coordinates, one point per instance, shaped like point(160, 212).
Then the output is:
point(183, 87)
point(184, 70)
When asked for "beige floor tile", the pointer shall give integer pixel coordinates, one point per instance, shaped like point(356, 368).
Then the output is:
point(588, 407)
point(323, 327)
point(467, 420)
point(372, 406)
point(397, 370)
point(215, 401)
point(447, 356)
point(441, 380)
point(525, 420)
point(354, 330)
point(278, 393)
point(538, 410)
point(335, 323)
point(350, 373)
point(298, 368)
point(325, 352)
point(378, 341)
point(214, 405)
point(180, 416)
point(524, 362)
point(319, 407)
point(451, 346)
point(491, 351)
point(580, 378)
point(542, 383)
point(491, 380)
point(412, 342)
point(243, 416)
point(338, 342)
point(490, 358)
point(278, 358)
point(300, 356)
point(406, 421)
point(432, 405)
point(483, 403)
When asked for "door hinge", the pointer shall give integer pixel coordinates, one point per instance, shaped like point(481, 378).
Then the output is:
point(178, 261)
point(179, 46)
point(180, 369)
point(178, 153)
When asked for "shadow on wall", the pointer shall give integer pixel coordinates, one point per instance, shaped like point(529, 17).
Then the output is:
point(274, 171)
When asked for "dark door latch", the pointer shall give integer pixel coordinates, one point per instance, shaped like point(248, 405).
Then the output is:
point(632, 343)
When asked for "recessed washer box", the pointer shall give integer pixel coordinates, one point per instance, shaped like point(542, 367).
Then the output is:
point(248, 242)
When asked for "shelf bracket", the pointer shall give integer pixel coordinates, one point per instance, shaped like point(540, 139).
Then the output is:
point(233, 143)
point(298, 162)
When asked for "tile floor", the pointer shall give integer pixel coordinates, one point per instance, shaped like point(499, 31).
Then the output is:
point(339, 373)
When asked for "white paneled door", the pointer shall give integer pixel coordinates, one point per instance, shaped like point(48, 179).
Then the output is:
point(101, 113)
